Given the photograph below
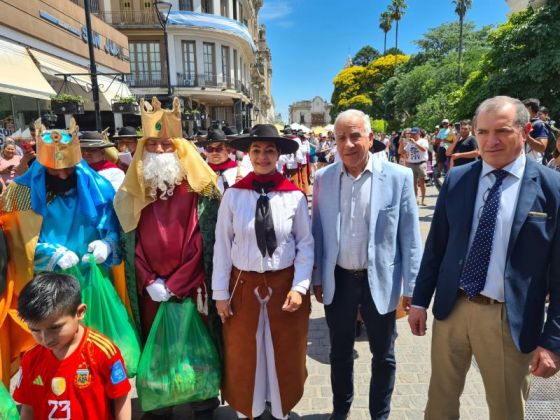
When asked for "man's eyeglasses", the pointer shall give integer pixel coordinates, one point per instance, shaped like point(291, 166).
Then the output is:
point(218, 149)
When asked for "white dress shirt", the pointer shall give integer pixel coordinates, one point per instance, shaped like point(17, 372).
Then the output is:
point(230, 176)
point(355, 204)
point(236, 242)
point(494, 286)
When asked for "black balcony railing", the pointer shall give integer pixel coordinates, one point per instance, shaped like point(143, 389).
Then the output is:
point(129, 18)
point(147, 79)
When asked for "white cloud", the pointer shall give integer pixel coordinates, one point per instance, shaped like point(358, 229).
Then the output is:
point(275, 10)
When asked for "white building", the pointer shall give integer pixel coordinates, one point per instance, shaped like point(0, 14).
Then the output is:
point(311, 113)
point(219, 61)
point(518, 5)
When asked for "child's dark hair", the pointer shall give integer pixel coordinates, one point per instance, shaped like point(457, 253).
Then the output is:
point(49, 294)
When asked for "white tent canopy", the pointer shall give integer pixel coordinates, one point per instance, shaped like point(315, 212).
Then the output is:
point(297, 127)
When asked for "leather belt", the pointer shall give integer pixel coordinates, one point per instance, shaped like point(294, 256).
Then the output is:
point(355, 273)
point(480, 299)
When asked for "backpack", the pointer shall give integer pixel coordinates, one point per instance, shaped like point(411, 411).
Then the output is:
point(551, 145)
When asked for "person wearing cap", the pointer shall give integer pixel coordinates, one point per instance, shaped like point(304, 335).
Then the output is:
point(93, 151)
point(126, 140)
point(217, 150)
point(303, 159)
point(416, 149)
point(263, 258)
point(167, 207)
point(54, 216)
point(367, 249)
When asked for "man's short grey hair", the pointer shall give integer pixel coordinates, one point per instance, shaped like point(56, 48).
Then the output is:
point(522, 116)
point(350, 113)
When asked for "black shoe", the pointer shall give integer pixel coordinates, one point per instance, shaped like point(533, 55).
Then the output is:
point(338, 416)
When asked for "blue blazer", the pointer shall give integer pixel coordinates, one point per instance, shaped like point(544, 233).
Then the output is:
point(395, 245)
point(531, 271)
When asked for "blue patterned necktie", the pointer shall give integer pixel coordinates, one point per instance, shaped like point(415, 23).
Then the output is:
point(475, 270)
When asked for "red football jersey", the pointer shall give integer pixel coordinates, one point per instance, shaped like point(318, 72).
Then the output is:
point(78, 387)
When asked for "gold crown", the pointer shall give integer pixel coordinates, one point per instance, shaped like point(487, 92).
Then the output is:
point(58, 149)
point(161, 123)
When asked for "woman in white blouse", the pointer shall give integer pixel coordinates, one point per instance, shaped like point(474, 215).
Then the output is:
point(263, 258)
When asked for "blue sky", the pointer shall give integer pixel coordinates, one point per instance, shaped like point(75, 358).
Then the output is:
point(310, 40)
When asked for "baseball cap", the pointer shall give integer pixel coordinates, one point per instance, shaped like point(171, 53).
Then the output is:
point(414, 130)
point(445, 121)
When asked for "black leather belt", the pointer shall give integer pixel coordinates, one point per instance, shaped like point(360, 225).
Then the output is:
point(480, 299)
point(355, 273)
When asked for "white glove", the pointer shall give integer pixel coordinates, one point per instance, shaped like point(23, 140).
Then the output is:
point(68, 259)
point(100, 250)
point(158, 292)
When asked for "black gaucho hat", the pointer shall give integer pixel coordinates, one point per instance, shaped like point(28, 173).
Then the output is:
point(214, 135)
point(127, 132)
point(264, 132)
point(378, 146)
point(93, 140)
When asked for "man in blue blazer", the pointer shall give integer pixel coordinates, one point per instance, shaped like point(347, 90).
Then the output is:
point(367, 250)
point(490, 260)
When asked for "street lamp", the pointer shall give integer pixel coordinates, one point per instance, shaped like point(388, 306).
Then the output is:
point(163, 8)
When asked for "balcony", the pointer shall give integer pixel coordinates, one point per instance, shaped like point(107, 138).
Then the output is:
point(147, 79)
point(129, 18)
point(193, 80)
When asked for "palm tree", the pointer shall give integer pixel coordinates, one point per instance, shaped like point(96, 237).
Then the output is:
point(461, 7)
point(385, 24)
point(396, 9)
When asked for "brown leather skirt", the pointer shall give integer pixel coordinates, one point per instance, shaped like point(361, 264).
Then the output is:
point(289, 338)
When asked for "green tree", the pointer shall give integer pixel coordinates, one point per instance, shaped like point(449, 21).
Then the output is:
point(365, 56)
point(523, 61)
point(385, 24)
point(461, 7)
point(397, 9)
point(395, 51)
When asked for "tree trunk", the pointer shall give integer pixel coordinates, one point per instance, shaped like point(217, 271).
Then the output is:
point(460, 74)
point(385, 44)
point(396, 42)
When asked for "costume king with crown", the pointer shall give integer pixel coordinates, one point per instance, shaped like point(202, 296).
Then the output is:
point(167, 206)
point(55, 214)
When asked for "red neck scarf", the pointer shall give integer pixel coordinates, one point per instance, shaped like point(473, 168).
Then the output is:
point(104, 164)
point(277, 181)
point(228, 164)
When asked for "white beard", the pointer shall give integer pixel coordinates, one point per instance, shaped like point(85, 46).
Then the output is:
point(162, 172)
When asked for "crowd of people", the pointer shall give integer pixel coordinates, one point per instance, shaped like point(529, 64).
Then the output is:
point(217, 229)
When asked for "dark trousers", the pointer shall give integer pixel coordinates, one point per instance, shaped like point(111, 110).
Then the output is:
point(352, 290)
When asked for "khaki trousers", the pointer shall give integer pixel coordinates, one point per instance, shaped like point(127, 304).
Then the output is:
point(482, 331)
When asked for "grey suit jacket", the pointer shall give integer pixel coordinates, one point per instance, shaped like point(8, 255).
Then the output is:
point(395, 245)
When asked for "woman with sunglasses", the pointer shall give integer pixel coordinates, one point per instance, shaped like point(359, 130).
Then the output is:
point(218, 158)
point(263, 258)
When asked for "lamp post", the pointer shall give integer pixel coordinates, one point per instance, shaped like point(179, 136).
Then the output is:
point(92, 67)
point(162, 10)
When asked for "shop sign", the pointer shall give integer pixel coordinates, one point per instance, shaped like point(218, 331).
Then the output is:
point(110, 47)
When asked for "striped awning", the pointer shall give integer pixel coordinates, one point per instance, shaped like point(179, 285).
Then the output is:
point(209, 21)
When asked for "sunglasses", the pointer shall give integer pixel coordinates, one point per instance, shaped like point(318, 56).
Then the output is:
point(218, 149)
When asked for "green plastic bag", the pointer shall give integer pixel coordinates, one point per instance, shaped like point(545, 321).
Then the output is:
point(8, 409)
point(107, 314)
point(180, 363)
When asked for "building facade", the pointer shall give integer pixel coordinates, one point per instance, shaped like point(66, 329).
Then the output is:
point(314, 113)
point(219, 61)
point(518, 5)
point(44, 51)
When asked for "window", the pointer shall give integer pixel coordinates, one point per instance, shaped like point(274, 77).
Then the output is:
point(226, 66)
point(224, 8)
point(235, 9)
point(145, 64)
point(207, 6)
point(189, 64)
point(186, 5)
point(241, 17)
point(235, 70)
point(209, 54)
point(301, 118)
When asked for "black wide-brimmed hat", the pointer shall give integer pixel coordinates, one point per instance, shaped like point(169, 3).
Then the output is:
point(127, 132)
point(378, 146)
point(215, 135)
point(93, 140)
point(264, 132)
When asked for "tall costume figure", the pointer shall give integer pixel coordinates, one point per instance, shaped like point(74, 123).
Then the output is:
point(57, 213)
point(167, 207)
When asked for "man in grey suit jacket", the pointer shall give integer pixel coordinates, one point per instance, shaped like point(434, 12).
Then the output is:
point(367, 250)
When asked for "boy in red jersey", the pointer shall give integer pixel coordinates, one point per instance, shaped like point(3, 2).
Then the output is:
point(74, 372)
